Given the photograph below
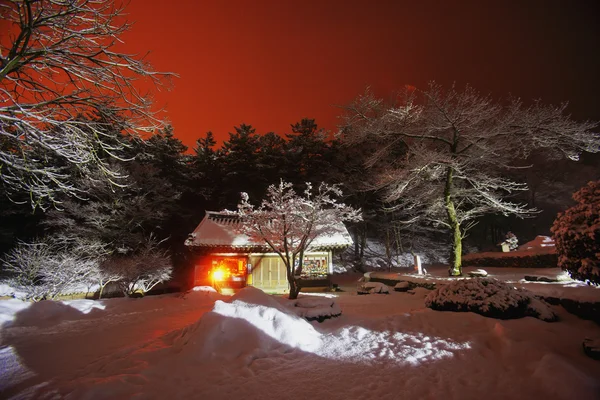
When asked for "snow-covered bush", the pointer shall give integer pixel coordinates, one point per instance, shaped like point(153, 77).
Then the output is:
point(490, 298)
point(49, 267)
point(141, 271)
point(577, 235)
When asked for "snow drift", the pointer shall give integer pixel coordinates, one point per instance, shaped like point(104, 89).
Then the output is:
point(249, 326)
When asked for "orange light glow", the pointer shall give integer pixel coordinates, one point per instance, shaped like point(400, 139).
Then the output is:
point(218, 274)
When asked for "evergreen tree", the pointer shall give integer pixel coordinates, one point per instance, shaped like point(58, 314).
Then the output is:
point(166, 153)
point(309, 153)
point(273, 161)
point(206, 173)
point(240, 156)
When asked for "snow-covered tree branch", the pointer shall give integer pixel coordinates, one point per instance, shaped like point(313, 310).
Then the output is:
point(62, 87)
point(49, 267)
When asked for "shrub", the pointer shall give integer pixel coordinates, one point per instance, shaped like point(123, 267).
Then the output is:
point(577, 235)
point(49, 267)
point(490, 298)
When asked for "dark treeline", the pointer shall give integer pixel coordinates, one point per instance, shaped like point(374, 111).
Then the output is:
point(164, 191)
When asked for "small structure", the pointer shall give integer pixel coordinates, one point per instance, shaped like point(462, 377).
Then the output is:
point(225, 257)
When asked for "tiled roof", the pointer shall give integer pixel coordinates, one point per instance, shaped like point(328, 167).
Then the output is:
point(219, 229)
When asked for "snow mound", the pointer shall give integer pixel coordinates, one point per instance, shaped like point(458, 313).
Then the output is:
point(9, 309)
point(490, 298)
point(47, 312)
point(249, 326)
point(562, 380)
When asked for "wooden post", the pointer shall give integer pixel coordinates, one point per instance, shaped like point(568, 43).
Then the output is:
point(418, 266)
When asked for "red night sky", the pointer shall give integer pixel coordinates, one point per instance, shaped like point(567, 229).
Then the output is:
point(270, 63)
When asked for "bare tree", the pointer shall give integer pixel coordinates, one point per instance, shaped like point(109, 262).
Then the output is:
point(442, 155)
point(289, 222)
point(140, 271)
point(103, 276)
point(58, 72)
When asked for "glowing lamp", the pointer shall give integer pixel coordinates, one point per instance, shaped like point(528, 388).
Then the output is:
point(218, 274)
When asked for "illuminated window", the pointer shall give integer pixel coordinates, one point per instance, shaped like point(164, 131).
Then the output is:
point(314, 267)
point(226, 268)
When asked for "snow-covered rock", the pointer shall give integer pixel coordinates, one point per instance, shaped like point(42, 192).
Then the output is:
point(373, 287)
point(479, 273)
point(402, 287)
point(316, 308)
point(533, 278)
point(591, 347)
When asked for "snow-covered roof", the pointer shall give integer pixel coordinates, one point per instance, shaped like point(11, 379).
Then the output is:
point(219, 229)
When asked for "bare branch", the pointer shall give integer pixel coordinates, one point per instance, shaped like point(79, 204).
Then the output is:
point(59, 71)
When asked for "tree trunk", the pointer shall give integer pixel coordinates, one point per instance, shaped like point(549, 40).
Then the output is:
point(294, 289)
point(455, 256)
point(291, 276)
point(363, 242)
point(356, 244)
point(388, 250)
point(359, 246)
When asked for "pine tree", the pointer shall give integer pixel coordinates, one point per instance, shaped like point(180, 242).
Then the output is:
point(240, 155)
point(309, 153)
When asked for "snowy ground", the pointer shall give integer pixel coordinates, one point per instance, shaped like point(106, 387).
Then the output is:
point(253, 347)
